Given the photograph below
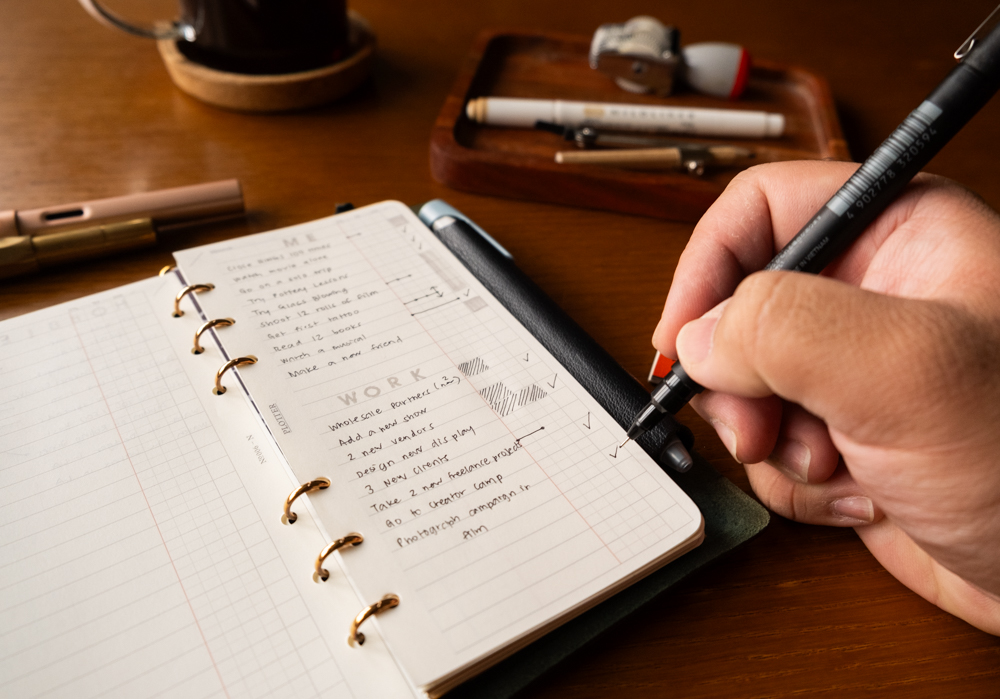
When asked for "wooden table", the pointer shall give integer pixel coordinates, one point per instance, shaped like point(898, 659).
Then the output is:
point(800, 610)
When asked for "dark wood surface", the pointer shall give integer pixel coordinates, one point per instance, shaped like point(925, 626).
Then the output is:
point(799, 611)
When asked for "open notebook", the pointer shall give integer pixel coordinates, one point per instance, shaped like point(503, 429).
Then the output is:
point(140, 513)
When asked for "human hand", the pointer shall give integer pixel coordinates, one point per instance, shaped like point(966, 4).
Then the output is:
point(868, 396)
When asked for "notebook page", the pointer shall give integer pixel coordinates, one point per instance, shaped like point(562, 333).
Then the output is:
point(488, 484)
point(141, 552)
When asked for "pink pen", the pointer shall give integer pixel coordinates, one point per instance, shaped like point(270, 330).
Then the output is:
point(165, 207)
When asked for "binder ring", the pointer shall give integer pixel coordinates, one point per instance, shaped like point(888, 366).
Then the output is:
point(198, 288)
point(214, 323)
point(355, 637)
point(166, 269)
point(219, 388)
point(289, 517)
point(321, 573)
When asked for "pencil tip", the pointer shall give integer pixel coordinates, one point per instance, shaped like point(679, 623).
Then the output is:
point(627, 440)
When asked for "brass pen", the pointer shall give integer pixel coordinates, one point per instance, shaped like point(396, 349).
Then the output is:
point(22, 254)
point(692, 160)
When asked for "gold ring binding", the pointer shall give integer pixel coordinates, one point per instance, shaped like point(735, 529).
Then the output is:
point(219, 388)
point(214, 323)
point(166, 269)
point(321, 573)
point(289, 517)
point(197, 288)
point(355, 637)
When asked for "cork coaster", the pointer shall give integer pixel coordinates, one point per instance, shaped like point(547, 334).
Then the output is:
point(274, 93)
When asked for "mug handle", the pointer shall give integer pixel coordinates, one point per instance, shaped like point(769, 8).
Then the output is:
point(175, 30)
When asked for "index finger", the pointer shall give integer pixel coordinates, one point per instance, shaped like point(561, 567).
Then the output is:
point(760, 211)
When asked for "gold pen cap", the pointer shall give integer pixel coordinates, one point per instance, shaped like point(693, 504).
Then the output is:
point(17, 256)
point(23, 254)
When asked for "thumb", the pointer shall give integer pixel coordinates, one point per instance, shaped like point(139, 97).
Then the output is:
point(863, 362)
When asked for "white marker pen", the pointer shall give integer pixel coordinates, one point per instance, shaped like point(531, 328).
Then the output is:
point(739, 123)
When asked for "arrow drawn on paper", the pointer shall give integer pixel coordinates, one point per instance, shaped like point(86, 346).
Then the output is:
point(434, 292)
point(433, 307)
point(518, 440)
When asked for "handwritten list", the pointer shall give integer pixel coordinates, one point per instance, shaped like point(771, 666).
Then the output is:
point(487, 483)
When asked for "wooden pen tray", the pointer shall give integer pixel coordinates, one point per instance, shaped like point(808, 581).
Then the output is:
point(519, 163)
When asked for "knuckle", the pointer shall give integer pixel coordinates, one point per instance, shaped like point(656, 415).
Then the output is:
point(954, 353)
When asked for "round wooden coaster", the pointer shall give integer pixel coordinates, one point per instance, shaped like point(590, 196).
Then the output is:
point(274, 93)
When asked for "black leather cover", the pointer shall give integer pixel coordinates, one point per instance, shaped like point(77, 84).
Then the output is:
point(731, 517)
point(589, 363)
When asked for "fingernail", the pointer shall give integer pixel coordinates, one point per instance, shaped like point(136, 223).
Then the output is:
point(857, 507)
point(694, 341)
point(727, 436)
point(792, 456)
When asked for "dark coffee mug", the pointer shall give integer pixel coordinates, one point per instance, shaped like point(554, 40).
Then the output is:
point(249, 36)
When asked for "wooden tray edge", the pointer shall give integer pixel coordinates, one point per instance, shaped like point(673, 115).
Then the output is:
point(622, 191)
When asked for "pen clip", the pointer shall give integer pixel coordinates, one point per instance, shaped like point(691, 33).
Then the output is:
point(558, 129)
point(969, 43)
point(694, 159)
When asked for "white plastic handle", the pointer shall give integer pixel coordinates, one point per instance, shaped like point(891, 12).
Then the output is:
point(174, 30)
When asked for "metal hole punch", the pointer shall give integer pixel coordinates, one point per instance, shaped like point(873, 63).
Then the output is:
point(214, 323)
point(289, 517)
point(641, 55)
point(352, 539)
point(190, 288)
point(239, 361)
point(355, 637)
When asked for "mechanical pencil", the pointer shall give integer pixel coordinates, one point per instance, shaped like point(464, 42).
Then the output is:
point(881, 178)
